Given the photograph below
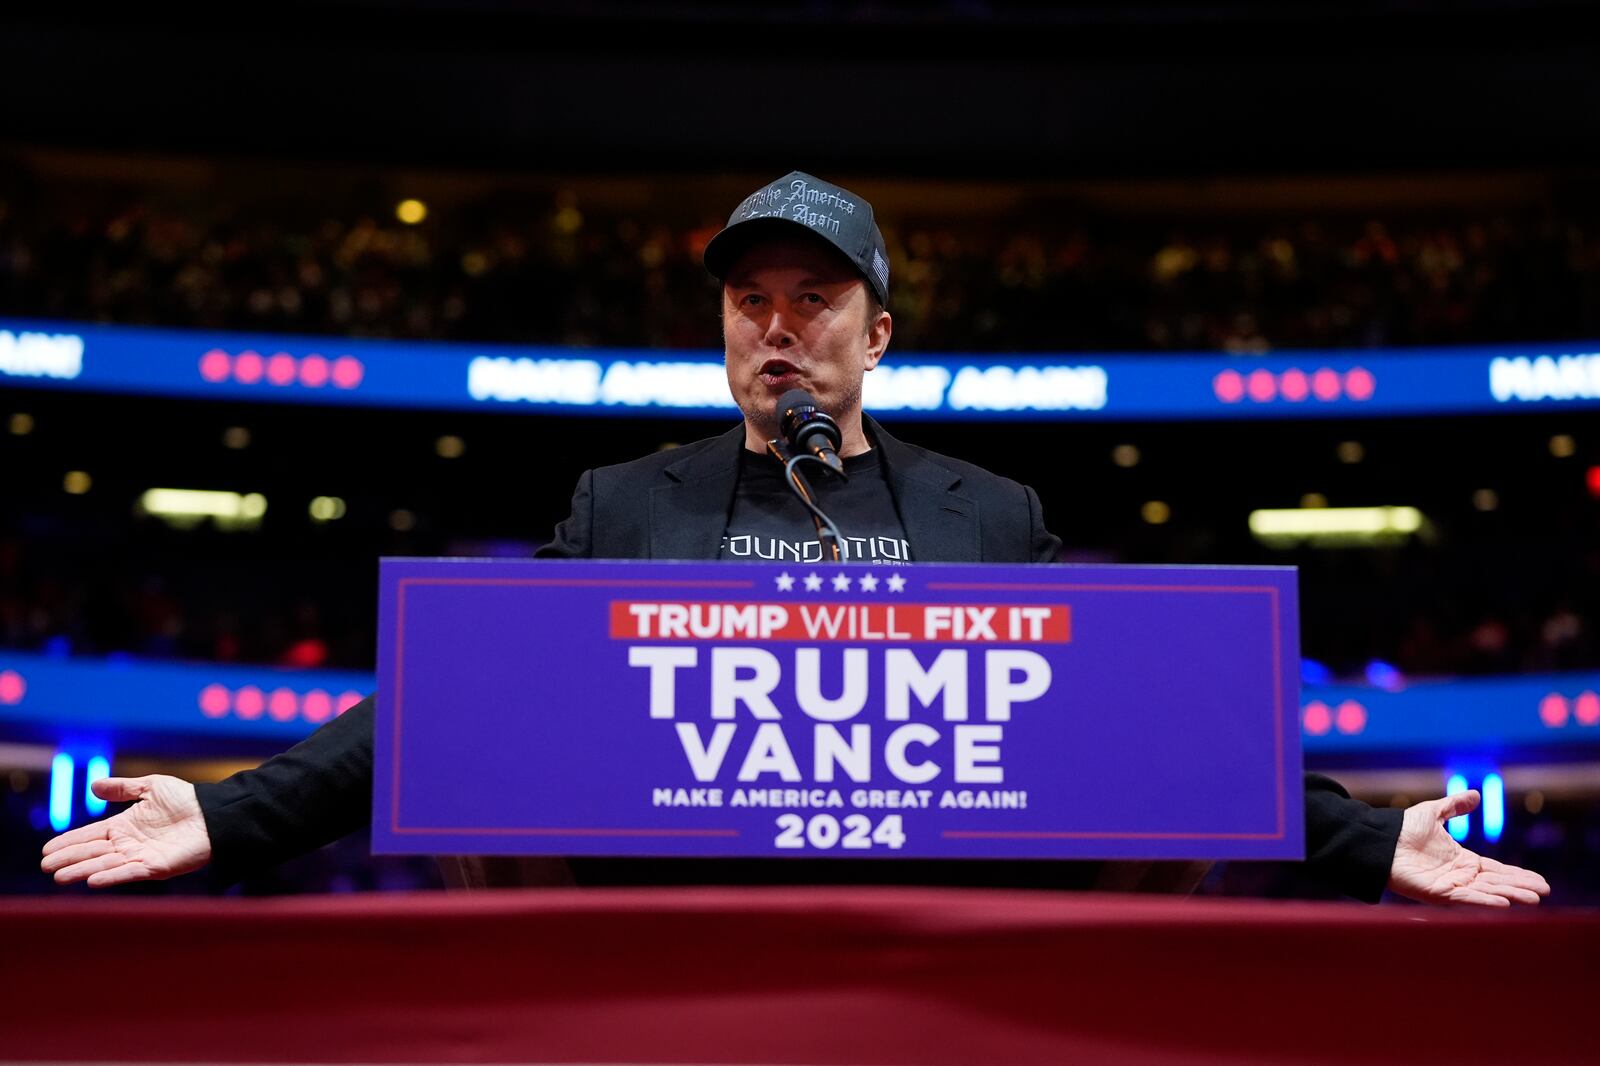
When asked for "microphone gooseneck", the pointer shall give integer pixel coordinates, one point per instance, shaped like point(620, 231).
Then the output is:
point(809, 435)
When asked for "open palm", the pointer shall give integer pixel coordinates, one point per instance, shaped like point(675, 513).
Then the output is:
point(162, 835)
point(1429, 865)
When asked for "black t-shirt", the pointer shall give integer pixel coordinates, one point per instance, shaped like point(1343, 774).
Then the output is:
point(769, 523)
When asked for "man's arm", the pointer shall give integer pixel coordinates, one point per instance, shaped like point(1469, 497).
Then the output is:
point(1349, 845)
point(574, 536)
point(321, 789)
point(1043, 545)
point(313, 794)
point(1362, 850)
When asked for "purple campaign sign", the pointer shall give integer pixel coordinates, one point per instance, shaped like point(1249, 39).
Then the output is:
point(761, 709)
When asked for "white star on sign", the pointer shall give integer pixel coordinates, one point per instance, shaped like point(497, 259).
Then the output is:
point(841, 582)
point(896, 583)
point(785, 582)
point(813, 582)
point(869, 583)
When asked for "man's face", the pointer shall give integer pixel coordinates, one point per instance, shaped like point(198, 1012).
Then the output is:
point(795, 314)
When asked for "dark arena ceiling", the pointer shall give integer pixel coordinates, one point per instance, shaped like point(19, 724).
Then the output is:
point(937, 89)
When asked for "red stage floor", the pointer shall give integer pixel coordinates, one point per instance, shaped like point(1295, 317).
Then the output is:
point(790, 976)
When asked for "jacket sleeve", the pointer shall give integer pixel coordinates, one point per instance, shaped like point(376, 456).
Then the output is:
point(321, 789)
point(574, 536)
point(1043, 545)
point(311, 795)
point(1349, 845)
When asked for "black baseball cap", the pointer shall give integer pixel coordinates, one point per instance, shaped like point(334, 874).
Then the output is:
point(835, 214)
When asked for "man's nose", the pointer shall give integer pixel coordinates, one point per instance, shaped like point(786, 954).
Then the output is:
point(780, 334)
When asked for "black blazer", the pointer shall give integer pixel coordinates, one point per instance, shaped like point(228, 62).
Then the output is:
point(675, 505)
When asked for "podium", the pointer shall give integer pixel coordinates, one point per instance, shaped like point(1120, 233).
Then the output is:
point(793, 710)
point(848, 977)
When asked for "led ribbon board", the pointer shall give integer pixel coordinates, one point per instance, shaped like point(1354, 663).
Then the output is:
point(764, 709)
point(1484, 718)
point(301, 369)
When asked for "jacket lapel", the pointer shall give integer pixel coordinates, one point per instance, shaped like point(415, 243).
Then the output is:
point(689, 514)
point(941, 525)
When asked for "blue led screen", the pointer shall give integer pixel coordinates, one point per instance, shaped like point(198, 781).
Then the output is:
point(302, 369)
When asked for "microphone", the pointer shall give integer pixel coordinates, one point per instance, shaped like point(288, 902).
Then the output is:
point(809, 429)
point(809, 434)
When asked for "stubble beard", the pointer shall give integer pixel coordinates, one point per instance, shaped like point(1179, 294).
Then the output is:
point(762, 417)
point(761, 413)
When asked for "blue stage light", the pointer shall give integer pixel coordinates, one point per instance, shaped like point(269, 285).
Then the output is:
point(99, 766)
point(1381, 675)
point(61, 770)
point(1314, 673)
point(1494, 807)
point(1457, 826)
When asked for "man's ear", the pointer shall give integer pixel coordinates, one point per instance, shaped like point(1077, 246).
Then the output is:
point(878, 338)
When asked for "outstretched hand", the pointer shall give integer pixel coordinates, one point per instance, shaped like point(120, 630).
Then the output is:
point(1430, 866)
point(162, 835)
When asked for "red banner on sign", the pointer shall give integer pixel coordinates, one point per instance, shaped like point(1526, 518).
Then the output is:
point(900, 623)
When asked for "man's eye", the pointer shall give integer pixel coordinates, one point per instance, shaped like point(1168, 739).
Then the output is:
point(752, 299)
point(813, 298)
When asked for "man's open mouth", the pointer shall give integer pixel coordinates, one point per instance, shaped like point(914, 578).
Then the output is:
point(776, 372)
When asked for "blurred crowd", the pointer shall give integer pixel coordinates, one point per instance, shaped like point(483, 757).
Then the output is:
point(555, 270)
point(1422, 611)
point(166, 604)
point(1458, 607)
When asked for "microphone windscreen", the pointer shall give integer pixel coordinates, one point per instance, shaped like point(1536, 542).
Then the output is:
point(802, 422)
point(793, 399)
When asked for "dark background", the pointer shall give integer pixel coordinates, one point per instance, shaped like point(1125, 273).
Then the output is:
point(933, 90)
point(1137, 127)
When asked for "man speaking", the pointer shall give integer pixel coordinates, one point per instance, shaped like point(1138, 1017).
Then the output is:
point(805, 279)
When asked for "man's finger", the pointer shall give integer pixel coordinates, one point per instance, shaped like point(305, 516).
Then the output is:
point(80, 835)
point(1516, 878)
point(1517, 895)
point(121, 789)
point(1476, 898)
point(79, 871)
point(1501, 882)
point(121, 875)
point(1517, 875)
point(1454, 806)
point(63, 857)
